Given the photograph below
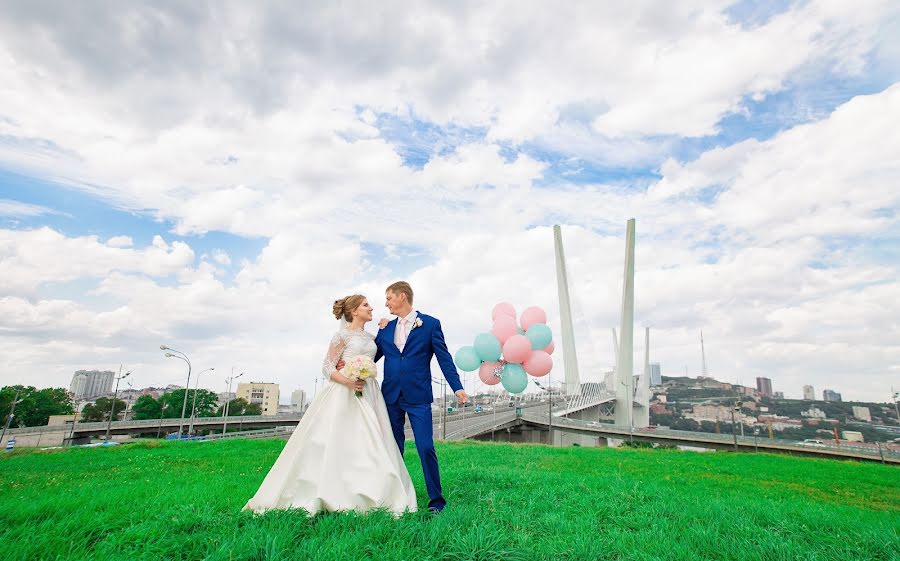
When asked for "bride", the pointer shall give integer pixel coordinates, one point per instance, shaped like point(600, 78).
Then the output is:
point(342, 455)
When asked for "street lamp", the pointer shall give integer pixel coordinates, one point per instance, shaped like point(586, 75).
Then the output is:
point(549, 411)
point(896, 408)
point(228, 400)
point(755, 436)
point(737, 407)
point(194, 404)
point(112, 408)
point(443, 384)
point(74, 420)
point(180, 355)
point(128, 403)
point(12, 411)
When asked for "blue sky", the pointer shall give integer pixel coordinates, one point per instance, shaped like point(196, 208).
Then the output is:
point(750, 141)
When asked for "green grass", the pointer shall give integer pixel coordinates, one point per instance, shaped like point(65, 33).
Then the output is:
point(167, 501)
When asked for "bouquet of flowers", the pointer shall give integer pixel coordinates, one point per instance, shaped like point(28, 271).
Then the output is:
point(359, 368)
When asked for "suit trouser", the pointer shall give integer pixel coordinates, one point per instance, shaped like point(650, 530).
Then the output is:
point(421, 422)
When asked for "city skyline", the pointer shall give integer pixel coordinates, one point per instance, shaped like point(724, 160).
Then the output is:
point(307, 395)
point(218, 195)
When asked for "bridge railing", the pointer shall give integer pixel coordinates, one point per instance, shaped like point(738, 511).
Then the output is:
point(480, 426)
point(153, 423)
point(720, 438)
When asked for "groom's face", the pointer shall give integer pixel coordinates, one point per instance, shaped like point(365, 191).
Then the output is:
point(393, 301)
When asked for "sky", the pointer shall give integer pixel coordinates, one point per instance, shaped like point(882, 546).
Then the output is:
point(211, 176)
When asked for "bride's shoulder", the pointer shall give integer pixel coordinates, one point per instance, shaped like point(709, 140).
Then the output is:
point(342, 334)
point(346, 334)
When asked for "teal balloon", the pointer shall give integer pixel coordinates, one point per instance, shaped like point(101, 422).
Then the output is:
point(514, 378)
point(540, 335)
point(521, 331)
point(487, 347)
point(467, 359)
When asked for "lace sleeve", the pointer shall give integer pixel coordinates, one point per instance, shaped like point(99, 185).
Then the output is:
point(335, 348)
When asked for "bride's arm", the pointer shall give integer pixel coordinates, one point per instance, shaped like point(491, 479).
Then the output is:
point(335, 348)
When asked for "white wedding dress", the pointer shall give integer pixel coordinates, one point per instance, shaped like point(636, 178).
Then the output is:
point(342, 455)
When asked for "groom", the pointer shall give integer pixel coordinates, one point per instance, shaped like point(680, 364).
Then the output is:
point(407, 345)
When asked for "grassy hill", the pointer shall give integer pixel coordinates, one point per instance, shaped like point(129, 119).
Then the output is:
point(181, 501)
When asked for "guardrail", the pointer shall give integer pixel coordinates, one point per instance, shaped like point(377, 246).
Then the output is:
point(153, 423)
point(714, 438)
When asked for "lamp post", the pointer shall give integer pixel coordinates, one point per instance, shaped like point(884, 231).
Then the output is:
point(162, 409)
point(180, 355)
point(194, 404)
point(74, 420)
point(737, 407)
point(128, 402)
point(755, 436)
point(228, 400)
point(12, 412)
point(549, 411)
point(444, 406)
point(896, 408)
point(112, 408)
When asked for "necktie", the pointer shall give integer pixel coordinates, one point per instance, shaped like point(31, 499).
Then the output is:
point(402, 339)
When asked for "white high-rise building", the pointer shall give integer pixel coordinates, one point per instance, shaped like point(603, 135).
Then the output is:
point(88, 384)
point(862, 413)
point(263, 393)
point(298, 400)
point(655, 374)
point(809, 393)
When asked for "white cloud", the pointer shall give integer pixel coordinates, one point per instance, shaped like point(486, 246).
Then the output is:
point(31, 258)
point(120, 241)
point(235, 118)
point(16, 209)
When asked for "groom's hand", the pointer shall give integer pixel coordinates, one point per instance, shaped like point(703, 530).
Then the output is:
point(462, 396)
point(340, 365)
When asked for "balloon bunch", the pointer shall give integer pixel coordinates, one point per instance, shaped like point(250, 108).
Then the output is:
point(510, 350)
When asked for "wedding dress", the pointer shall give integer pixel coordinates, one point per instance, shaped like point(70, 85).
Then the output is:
point(342, 455)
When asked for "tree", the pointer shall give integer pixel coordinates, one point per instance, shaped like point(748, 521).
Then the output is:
point(240, 407)
point(36, 405)
point(146, 407)
point(99, 410)
point(173, 402)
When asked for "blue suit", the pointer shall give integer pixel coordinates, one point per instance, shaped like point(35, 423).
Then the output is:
point(407, 391)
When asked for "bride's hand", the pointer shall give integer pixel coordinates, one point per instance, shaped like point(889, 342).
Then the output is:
point(382, 323)
point(357, 385)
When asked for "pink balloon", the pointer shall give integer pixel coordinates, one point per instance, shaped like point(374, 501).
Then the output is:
point(516, 349)
point(486, 373)
point(549, 348)
point(503, 309)
point(504, 328)
point(532, 316)
point(538, 363)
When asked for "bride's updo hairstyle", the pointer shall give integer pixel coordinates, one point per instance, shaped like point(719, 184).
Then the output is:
point(346, 306)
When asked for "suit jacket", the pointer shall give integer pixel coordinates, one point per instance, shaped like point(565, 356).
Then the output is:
point(409, 373)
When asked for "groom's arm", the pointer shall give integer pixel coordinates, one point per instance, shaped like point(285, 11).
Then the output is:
point(444, 359)
point(378, 353)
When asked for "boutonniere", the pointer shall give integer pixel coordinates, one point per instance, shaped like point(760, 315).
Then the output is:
point(417, 323)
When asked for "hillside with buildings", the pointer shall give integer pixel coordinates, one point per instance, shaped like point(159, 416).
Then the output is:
point(708, 405)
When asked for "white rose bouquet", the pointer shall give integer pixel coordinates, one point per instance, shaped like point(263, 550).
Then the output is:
point(359, 368)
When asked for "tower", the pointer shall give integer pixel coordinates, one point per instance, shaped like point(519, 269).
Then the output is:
point(704, 372)
point(625, 361)
point(572, 382)
point(641, 403)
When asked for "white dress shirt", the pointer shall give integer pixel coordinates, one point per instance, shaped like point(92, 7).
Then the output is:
point(404, 326)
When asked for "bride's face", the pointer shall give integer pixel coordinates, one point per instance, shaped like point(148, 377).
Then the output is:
point(364, 311)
